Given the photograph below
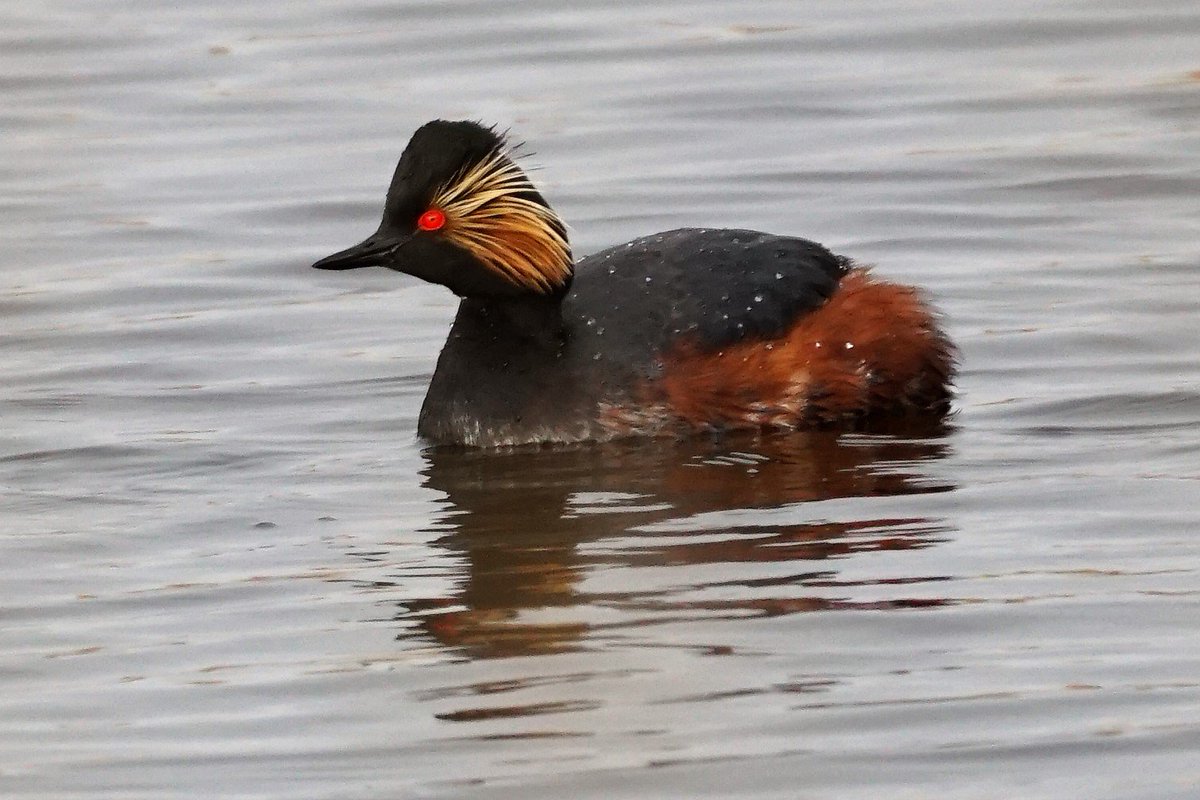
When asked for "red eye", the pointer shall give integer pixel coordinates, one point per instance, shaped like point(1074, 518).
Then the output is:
point(431, 220)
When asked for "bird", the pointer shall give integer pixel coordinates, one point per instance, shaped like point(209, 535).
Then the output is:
point(686, 332)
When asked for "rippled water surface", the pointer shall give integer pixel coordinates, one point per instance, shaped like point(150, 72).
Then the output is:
point(229, 569)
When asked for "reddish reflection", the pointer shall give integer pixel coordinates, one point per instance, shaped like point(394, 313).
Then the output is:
point(530, 523)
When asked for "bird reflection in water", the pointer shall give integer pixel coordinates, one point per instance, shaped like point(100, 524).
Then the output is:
point(530, 524)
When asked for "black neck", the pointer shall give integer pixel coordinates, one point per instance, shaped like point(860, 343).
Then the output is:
point(504, 373)
point(522, 322)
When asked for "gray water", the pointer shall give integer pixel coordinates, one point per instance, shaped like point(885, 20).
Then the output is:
point(228, 568)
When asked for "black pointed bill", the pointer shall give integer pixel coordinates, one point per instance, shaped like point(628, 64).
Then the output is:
point(375, 251)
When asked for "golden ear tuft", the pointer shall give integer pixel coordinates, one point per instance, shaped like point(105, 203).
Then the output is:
point(493, 211)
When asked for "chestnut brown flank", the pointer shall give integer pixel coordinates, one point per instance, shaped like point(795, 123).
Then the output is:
point(872, 348)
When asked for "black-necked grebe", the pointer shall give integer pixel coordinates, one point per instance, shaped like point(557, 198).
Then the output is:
point(679, 332)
